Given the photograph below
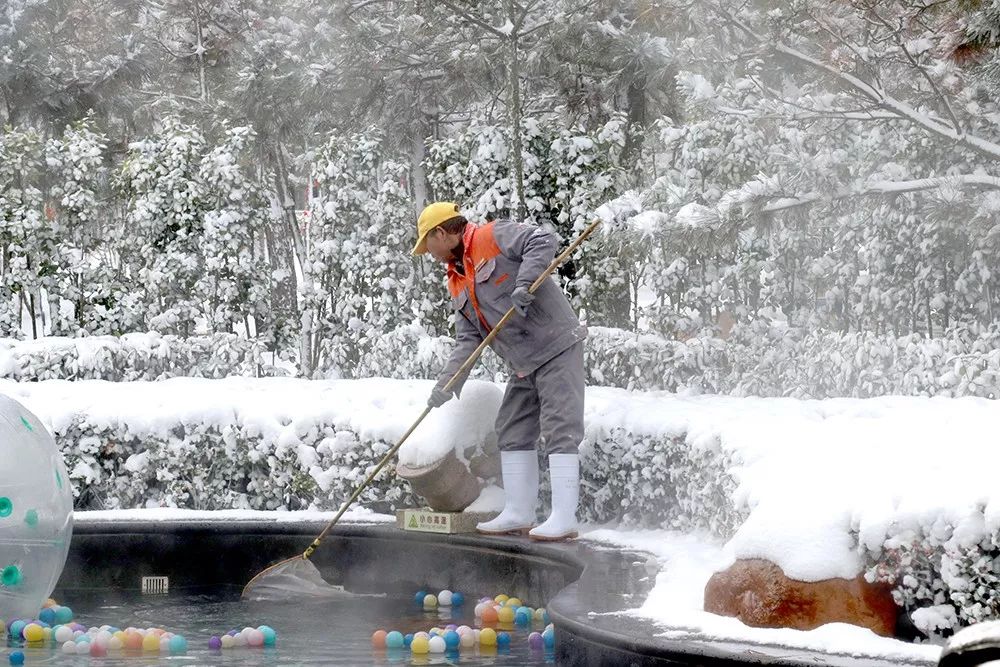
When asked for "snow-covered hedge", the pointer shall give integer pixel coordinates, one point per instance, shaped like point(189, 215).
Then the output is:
point(771, 363)
point(139, 356)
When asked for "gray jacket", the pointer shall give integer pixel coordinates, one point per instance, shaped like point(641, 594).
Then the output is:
point(504, 255)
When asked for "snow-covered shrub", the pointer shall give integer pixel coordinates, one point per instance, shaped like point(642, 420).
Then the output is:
point(655, 481)
point(130, 357)
point(945, 572)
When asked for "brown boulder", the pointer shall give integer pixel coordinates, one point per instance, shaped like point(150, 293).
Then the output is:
point(758, 593)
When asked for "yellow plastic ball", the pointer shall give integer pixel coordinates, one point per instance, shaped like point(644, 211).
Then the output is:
point(513, 602)
point(487, 637)
point(506, 614)
point(47, 634)
point(500, 599)
point(151, 643)
point(49, 603)
point(33, 632)
point(540, 613)
point(121, 636)
point(420, 646)
point(430, 601)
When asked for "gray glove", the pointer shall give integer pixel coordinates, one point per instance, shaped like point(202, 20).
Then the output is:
point(439, 397)
point(521, 298)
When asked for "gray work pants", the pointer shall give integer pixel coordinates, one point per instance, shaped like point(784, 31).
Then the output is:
point(548, 402)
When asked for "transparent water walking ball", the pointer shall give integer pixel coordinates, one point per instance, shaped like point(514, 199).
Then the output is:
point(36, 512)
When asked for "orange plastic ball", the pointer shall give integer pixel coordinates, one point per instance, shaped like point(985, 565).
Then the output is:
point(378, 638)
point(490, 615)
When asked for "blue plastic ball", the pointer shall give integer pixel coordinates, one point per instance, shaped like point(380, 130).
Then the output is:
point(47, 615)
point(270, 636)
point(63, 615)
point(407, 639)
point(419, 597)
point(503, 639)
point(451, 639)
point(394, 639)
point(545, 618)
point(17, 657)
point(457, 599)
point(178, 644)
point(549, 637)
point(522, 617)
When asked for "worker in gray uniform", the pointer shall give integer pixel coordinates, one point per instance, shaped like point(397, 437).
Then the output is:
point(489, 269)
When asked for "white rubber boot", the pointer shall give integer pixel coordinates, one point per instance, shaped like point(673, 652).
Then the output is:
point(564, 473)
point(520, 486)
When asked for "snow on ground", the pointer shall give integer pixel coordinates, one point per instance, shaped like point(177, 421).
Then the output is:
point(675, 603)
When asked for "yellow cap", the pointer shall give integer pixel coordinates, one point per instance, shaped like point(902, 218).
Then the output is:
point(433, 215)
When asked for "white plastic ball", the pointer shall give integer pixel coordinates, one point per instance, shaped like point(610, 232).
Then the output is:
point(63, 634)
point(228, 641)
point(83, 648)
point(437, 644)
point(69, 646)
point(467, 640)
point(241, 639)
point(164, 645)
point(444, 598)
point(115, 644)
point(479, 609)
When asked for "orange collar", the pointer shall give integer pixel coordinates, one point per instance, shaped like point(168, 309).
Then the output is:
point(456, 281)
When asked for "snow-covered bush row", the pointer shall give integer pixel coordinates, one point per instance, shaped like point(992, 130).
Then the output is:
point(768, 364)
point(145, 356)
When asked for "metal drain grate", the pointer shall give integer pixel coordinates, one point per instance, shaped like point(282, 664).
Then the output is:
point(155, 585)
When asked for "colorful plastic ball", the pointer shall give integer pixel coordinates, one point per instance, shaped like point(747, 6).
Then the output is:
point(407, 639)
point(48, 615)
point(430, 601)
point(549, 637)
point(270, 636)
point(490, 615)
point(513, 602)
point(63, 614)
point(17, 628)
point(457, 599)
point(215, 643)
point(420, 646)
point(255, 638)
point(451, 639)
point(178, 644)
point(83, 648)
point(151, 643)
point(506, 615)
point(436, 645)
point(451, 626)
point(228, 641)
point(16, 657)
point(535, 641)
point(97, 651)
point(419, 597)
point(33, 632)
point(394, 639)
point(444, 598)
point(378, 638)
point(500, 599)
point(488, 637)
point(503, 639)
point(540, 614)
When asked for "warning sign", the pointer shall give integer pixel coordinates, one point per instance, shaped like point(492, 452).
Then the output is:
point(427, 522)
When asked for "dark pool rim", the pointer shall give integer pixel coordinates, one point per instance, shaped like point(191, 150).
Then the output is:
point(582, 638)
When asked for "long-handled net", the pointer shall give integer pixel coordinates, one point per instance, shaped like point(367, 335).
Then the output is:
point(297, 576)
